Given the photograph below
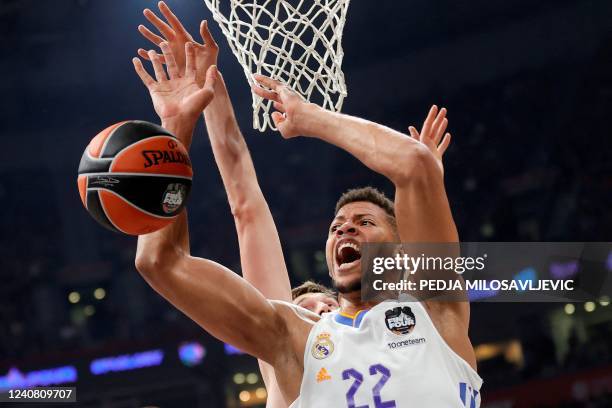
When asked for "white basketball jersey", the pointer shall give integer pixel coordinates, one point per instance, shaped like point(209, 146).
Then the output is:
point(391, 356)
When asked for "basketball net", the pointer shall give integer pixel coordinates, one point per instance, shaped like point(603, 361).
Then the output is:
point(298, 42)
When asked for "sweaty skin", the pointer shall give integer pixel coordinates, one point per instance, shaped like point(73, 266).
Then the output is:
point(230, 308)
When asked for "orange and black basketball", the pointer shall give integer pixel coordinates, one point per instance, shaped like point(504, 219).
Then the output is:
point(135, 177)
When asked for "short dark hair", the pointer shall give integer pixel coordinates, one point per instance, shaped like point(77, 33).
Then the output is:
point(311, 287)
point(371, 195)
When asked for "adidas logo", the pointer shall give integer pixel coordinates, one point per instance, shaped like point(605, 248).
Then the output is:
point(323, 375)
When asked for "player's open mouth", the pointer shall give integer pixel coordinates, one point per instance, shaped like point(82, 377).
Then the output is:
point(348, 254)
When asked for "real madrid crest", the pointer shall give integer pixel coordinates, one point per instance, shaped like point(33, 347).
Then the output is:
point(323, 347)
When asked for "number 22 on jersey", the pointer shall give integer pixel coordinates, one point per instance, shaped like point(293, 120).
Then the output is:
point(357, 381)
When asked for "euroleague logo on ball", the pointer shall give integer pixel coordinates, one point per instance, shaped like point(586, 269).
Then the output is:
point(157, 157)
point(400, 320)
point(173, 197)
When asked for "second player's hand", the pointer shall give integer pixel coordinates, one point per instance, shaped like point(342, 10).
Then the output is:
point(433, 133)
point(177, 98)
point(174, 33)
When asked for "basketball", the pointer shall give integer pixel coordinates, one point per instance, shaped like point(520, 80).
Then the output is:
point(134, 177)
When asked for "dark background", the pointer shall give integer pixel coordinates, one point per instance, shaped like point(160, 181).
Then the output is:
point(528, 89)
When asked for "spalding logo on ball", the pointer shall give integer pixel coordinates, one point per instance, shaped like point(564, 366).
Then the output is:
point(135, 177)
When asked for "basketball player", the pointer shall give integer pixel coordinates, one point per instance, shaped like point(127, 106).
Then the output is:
point(395, 354)
point(314, 297)
point(257, 232)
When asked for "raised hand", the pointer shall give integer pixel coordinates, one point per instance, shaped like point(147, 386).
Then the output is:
point(432, 133)
point(177, 97)
point(176, 36)
point(288, 103)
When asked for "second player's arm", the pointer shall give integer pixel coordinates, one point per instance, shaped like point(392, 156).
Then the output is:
point(261, 255)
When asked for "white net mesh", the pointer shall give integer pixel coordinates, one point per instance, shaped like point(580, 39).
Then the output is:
point(298, 42)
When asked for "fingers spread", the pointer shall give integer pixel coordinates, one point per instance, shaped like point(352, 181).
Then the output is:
point(142, 73)
point(163, 28)
point(173, 70)
point(160, 74)
point(439, 117)
point(431, 116)
point(206, 35)
point(172, 19)
point(149, 35)
point(440, 131)
point(439, 126)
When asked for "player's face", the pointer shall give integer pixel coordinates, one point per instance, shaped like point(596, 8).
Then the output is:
point(354, 224)
point(318, 303)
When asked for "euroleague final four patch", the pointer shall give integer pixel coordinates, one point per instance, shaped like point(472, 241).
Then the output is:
point(400, 320)
point(174, 196)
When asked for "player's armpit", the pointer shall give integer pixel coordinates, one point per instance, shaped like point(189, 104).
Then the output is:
point(220, 301)
point(452, 321)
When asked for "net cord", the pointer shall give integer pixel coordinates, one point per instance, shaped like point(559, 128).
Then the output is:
point(298, 42)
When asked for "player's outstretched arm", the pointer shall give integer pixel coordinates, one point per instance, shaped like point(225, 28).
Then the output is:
point(422, 209)
point(217, 299)
point(261, 254)
point(257, 233)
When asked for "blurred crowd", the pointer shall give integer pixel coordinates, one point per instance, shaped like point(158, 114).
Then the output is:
point(524, 165)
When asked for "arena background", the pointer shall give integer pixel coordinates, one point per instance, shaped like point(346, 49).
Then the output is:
point(528, 88)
